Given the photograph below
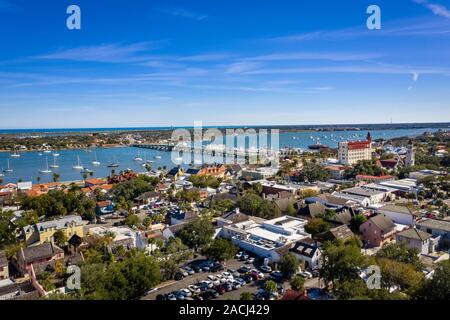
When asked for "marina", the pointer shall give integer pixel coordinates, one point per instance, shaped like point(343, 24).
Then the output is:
point(70, 164)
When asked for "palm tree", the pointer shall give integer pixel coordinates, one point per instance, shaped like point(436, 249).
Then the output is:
point(56, 177)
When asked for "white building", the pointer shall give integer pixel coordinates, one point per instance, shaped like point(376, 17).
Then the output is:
point(399, 214)
point(265, 238)
point(350, 152)
point(410, 158)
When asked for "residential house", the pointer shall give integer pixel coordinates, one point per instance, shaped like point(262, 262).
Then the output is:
point(377, 230)
point(336, 171)
point(399, 214)
point(176, 173)
point(4, 268)
point(232, 217)
point(104, 207)
point(363, 196)
point(215, 170)
point(331, 201)
point(147, 198)
point(179, 216)
point(416, 239)
point(40, 257)
point(439, 229)
point(338, 233)
point(308, 251)
point(121, 236)
point(94, 182)
point(43, 231)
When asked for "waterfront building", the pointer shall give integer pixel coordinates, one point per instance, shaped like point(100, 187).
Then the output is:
point(350, 152)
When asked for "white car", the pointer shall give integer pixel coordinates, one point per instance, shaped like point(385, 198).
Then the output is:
point(306, 274)
point(227, 275)
point(239, 254)
point(214, 280)
point(194, 289)
point(250, 260)
point(186, 292)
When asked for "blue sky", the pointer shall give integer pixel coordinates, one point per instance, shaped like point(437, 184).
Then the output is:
point(162, 63)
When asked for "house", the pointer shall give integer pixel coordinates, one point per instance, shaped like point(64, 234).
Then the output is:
point(178, 217)
point(43, 231)
point(10, 290)
point(377, 230)
point(439, 229)
point(402, 186)
point(4, 268)
point(94, 182)
point(373, 196)
point(176, 173)
point(391, 164)
point(122, 237)
point(232, 217)
point(308, 251)
point(312, 210)
point(234, 170)
point(215, 170)
point(416, 239)
point(331, 201)
point(40, 257)
point(147, 198)
point(339, 233)
point(266, 238)
point(104, 207)
point(336, 171)
point(368, 178)
point(399, 214)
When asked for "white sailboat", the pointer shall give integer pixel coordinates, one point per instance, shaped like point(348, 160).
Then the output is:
point(157, 157)
point(54, 165)
point(15, 155)
point(113, 164)
point(9, 169)
point(47, 151)
point(138, 158)
point(56, 154)
point(86, 170)
point(78, 166)
point(46, 170)
point(95, 162)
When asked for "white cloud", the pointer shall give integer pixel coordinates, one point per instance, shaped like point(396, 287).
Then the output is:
point(415, 76)
point(183, 13)
point(437, 9)
point(241, 67)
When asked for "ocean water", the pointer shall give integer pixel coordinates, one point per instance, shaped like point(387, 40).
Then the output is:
point(28, 165)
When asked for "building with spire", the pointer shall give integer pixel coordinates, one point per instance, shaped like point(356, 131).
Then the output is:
point(351, 152)
point(410, 157)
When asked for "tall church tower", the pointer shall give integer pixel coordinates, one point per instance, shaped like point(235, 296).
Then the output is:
point(410, 158)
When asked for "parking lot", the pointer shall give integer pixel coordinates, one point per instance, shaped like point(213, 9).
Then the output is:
point(235, 264)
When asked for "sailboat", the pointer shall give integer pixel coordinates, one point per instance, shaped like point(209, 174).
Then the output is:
point(46, 170)
point(78, 166)
point(138, 158)
point(86, 170)
point(8, 170)
point(157, 157)
point(54, 165)
point(15, 155)
point(113, 164)
point(56, 154)
point(95, 162)
point(47, 151)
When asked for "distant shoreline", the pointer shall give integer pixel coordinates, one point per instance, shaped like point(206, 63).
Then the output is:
point(283, 128)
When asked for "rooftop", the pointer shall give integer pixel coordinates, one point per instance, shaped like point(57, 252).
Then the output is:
point(414, 233)
point(435, 224)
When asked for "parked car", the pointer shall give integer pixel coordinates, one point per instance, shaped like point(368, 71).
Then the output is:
point(315, 273)
point(189, 270)
point(216, 267)
point(197, 268)
point(247, 278)
point(220, 289)
point(214, 280)
point(244, 269)
point(239, 254)
point(227, 275)
point(276, 274)
point(184, 272)
point(171, 297)
point(306, 274)
point(210, 294)
point(244, 257)
point(205, 284)
point(265, 269)
point(186, 292)
point(162, 297)
point(234, 273)
point(194, 289)
point(250, 260)
point(259, 274)
point(178, 276)
point(236, 284)
point(241, 281)
point(179, 295)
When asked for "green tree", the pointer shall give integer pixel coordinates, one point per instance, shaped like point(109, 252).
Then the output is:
point(197, 233)
point(246, 296)
point(438, 287)
point(401, 254)
point(56, 177)
point(288, 265)
point(132, 220)
point(270, 286)
point(316, 225)
point(290, 210)
point(60, 238)
point(297, 283)
point(220, 249)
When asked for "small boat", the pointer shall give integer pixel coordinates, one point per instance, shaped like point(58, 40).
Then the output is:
point(114, 164)
point(40, 154)
point(15, 155)
point(46, 170)
point(95, 162)
point(179, 159)
point(9, 169)
point(54, 165)
point(138, 158)
point(158, 157)
point(78, 166)
point(86, 170)
point(56, 154)
point(47, 151)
